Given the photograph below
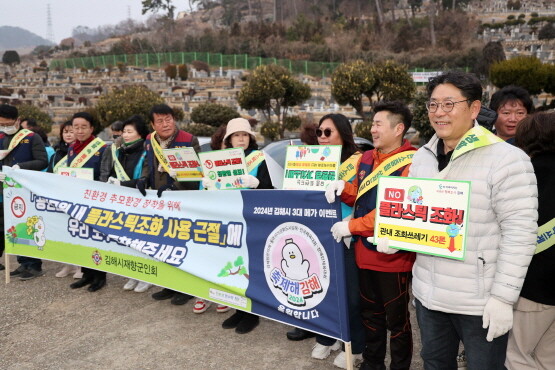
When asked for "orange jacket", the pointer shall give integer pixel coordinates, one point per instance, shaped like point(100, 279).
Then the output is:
point(364, 226)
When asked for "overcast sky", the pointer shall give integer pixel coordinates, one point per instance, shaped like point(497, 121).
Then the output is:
point(68, 14)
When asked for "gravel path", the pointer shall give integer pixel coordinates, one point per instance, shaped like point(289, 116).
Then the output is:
point(45, 324)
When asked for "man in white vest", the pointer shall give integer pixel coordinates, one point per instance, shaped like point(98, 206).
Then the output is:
point(472, 300)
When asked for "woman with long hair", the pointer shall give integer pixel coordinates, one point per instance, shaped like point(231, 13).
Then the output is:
point(335, 129)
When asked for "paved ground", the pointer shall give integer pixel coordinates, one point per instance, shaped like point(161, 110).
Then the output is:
point(45, 324)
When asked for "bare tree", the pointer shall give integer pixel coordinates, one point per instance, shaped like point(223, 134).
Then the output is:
point(432, 14)
point(380, 15)
point(404, 5)
point(393, 6)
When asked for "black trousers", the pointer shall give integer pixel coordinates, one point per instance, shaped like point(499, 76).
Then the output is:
point(384, 301)
point(93, 274)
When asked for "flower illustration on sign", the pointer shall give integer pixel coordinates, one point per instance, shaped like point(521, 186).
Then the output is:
point(11, 234)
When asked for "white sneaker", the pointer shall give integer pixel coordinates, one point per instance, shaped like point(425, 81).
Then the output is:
point(65, 271)
point(322, 352)
point(130, 285)
point(461, 360)
point(142, 287)
point(78, 273)
point(341, 360)
point(201, 305)
point(222, 309)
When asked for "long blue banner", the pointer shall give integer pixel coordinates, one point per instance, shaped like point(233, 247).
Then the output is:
point(269, 252)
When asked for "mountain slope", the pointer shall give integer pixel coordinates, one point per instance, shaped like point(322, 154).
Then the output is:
point(16, 37)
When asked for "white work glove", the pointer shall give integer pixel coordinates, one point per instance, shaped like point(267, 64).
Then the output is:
point(16, 167)
point(172, 173)
point(339, 230)
point(113, 181)
point(208, 183)
point(333, 189)
point(249, 181)
point(498, 316)
point(2, 176)
point(382, 245)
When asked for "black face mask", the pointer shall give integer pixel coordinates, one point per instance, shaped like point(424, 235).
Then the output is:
point(115, 136)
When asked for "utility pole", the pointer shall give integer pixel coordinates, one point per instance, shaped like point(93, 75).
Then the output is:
point(49, 27)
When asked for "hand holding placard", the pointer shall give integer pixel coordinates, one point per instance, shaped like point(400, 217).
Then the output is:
point(340, 230)
point(172, 173)
point(113, 181)
point(208, 183)
point(382, 245)
point(333, 189)
point(225, 167)
point(249, 181)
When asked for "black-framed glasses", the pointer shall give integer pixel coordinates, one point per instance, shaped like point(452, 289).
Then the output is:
point(327, 132)
point(446, 106)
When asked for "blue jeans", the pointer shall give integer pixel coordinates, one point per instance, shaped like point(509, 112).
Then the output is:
point(441, 333)
point(353, 301)
point(30, 263)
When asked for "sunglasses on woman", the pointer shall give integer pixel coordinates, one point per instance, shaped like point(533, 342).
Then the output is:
point(327, 132)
